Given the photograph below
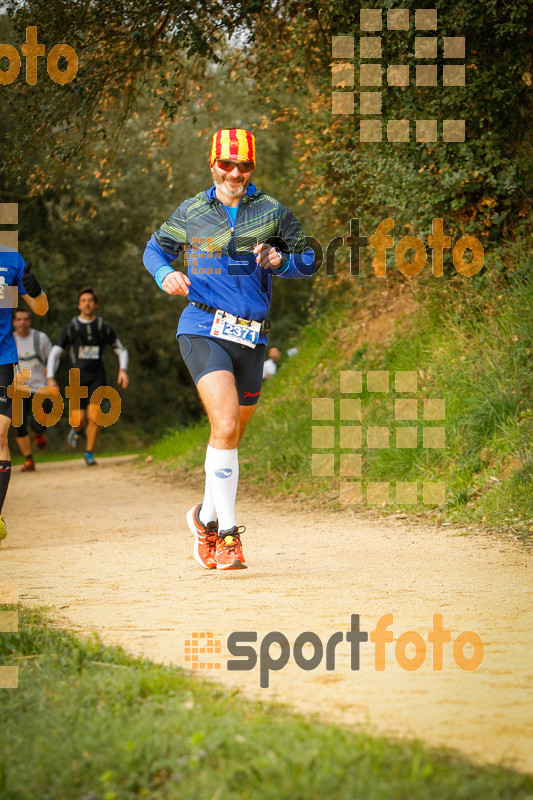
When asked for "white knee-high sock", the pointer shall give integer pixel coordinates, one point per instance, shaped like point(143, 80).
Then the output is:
point(208, 512)
point(222, 474)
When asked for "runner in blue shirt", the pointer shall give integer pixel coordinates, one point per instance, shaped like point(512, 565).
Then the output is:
point(237, 241)
point(16, 278)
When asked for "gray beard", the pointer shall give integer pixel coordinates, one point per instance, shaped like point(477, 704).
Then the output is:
point(237, 192)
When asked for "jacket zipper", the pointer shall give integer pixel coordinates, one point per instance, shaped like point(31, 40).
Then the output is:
point(231, 227)
point(234, 257)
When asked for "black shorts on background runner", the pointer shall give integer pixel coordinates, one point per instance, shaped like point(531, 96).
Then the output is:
point(7, 374)
point(92, 382)
point(203, 354)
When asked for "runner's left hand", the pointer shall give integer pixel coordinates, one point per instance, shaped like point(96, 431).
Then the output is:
point(123, 379)
point(267, 256)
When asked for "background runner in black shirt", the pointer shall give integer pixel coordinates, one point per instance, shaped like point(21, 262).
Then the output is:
point(85, 337)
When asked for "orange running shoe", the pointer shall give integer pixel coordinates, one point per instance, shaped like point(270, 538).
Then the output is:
point(205, 538)
point(29, 465)
point(229, 549)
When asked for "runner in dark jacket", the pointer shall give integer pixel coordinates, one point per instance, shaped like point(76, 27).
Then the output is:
point(235, 239)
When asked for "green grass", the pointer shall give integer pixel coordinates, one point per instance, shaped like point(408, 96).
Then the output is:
point(91, 723)
point(184, 443)
point(470, 342)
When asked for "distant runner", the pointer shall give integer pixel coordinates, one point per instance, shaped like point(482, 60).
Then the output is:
point(16, 275)
point(86, 337)
point(222, 332)
point(33, 348)
point(270, 367)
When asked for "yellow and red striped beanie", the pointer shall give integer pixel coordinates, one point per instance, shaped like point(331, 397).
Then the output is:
point(233, 144)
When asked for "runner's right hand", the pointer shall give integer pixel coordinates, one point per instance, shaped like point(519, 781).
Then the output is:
point(176, 283)
point(267, 257)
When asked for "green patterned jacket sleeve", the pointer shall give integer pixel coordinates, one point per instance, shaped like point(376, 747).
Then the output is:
point(172, 234)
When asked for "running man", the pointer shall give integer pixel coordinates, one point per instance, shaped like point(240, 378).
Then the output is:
point(227, 234)
point(16, 273)
point(33, 348)
point(86, 337)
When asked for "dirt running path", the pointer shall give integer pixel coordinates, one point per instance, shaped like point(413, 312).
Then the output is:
point(110, 551)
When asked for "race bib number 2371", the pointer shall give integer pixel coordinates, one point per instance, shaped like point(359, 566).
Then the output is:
point(233, 329)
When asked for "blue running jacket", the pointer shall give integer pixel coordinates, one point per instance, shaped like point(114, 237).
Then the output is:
point(218, 255)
